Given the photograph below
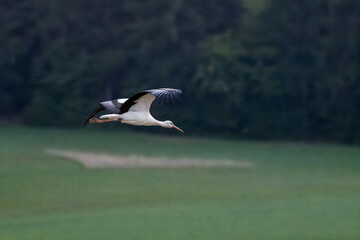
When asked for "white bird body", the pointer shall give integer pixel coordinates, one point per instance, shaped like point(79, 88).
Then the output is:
point(133, 118)
point(135, 110)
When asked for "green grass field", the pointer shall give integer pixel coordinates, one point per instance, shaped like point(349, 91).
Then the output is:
point(295, 191)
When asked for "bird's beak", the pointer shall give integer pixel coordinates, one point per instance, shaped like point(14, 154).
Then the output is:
point(175, 127)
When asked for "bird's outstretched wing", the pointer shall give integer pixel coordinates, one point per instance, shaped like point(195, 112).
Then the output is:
point(114, 106)
point(167, 96)
point(142, 101)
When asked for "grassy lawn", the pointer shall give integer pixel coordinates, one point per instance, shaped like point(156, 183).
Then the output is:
point(295, 191)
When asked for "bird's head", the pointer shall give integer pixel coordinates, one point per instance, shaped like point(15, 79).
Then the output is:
point(170, 124)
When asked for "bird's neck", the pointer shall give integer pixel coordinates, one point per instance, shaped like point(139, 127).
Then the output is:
point(155, 122)
point(161, 123)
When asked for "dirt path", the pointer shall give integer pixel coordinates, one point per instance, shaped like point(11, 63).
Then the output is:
point(98, 161)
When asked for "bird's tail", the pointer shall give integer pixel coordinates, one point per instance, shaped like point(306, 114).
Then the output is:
point(93, 113)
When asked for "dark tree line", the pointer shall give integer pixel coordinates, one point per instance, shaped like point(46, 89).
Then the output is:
point(289, 70)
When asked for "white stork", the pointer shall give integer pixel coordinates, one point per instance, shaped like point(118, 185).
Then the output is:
point(136, 109)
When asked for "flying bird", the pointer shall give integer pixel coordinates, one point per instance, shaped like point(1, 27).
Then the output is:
point(136, 109)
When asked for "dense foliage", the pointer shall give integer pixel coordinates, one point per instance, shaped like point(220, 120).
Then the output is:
point(289, 69)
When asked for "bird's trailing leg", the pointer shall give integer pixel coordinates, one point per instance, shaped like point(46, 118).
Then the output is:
point(108, 118)
point(96, 120)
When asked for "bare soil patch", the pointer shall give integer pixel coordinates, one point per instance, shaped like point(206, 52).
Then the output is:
point(99, 161)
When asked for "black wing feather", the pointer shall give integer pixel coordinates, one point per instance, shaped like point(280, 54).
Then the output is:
point(112, 106)
point(93, 113)
point(166, 96)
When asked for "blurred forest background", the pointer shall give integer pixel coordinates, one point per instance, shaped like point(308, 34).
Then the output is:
point(266, 69)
